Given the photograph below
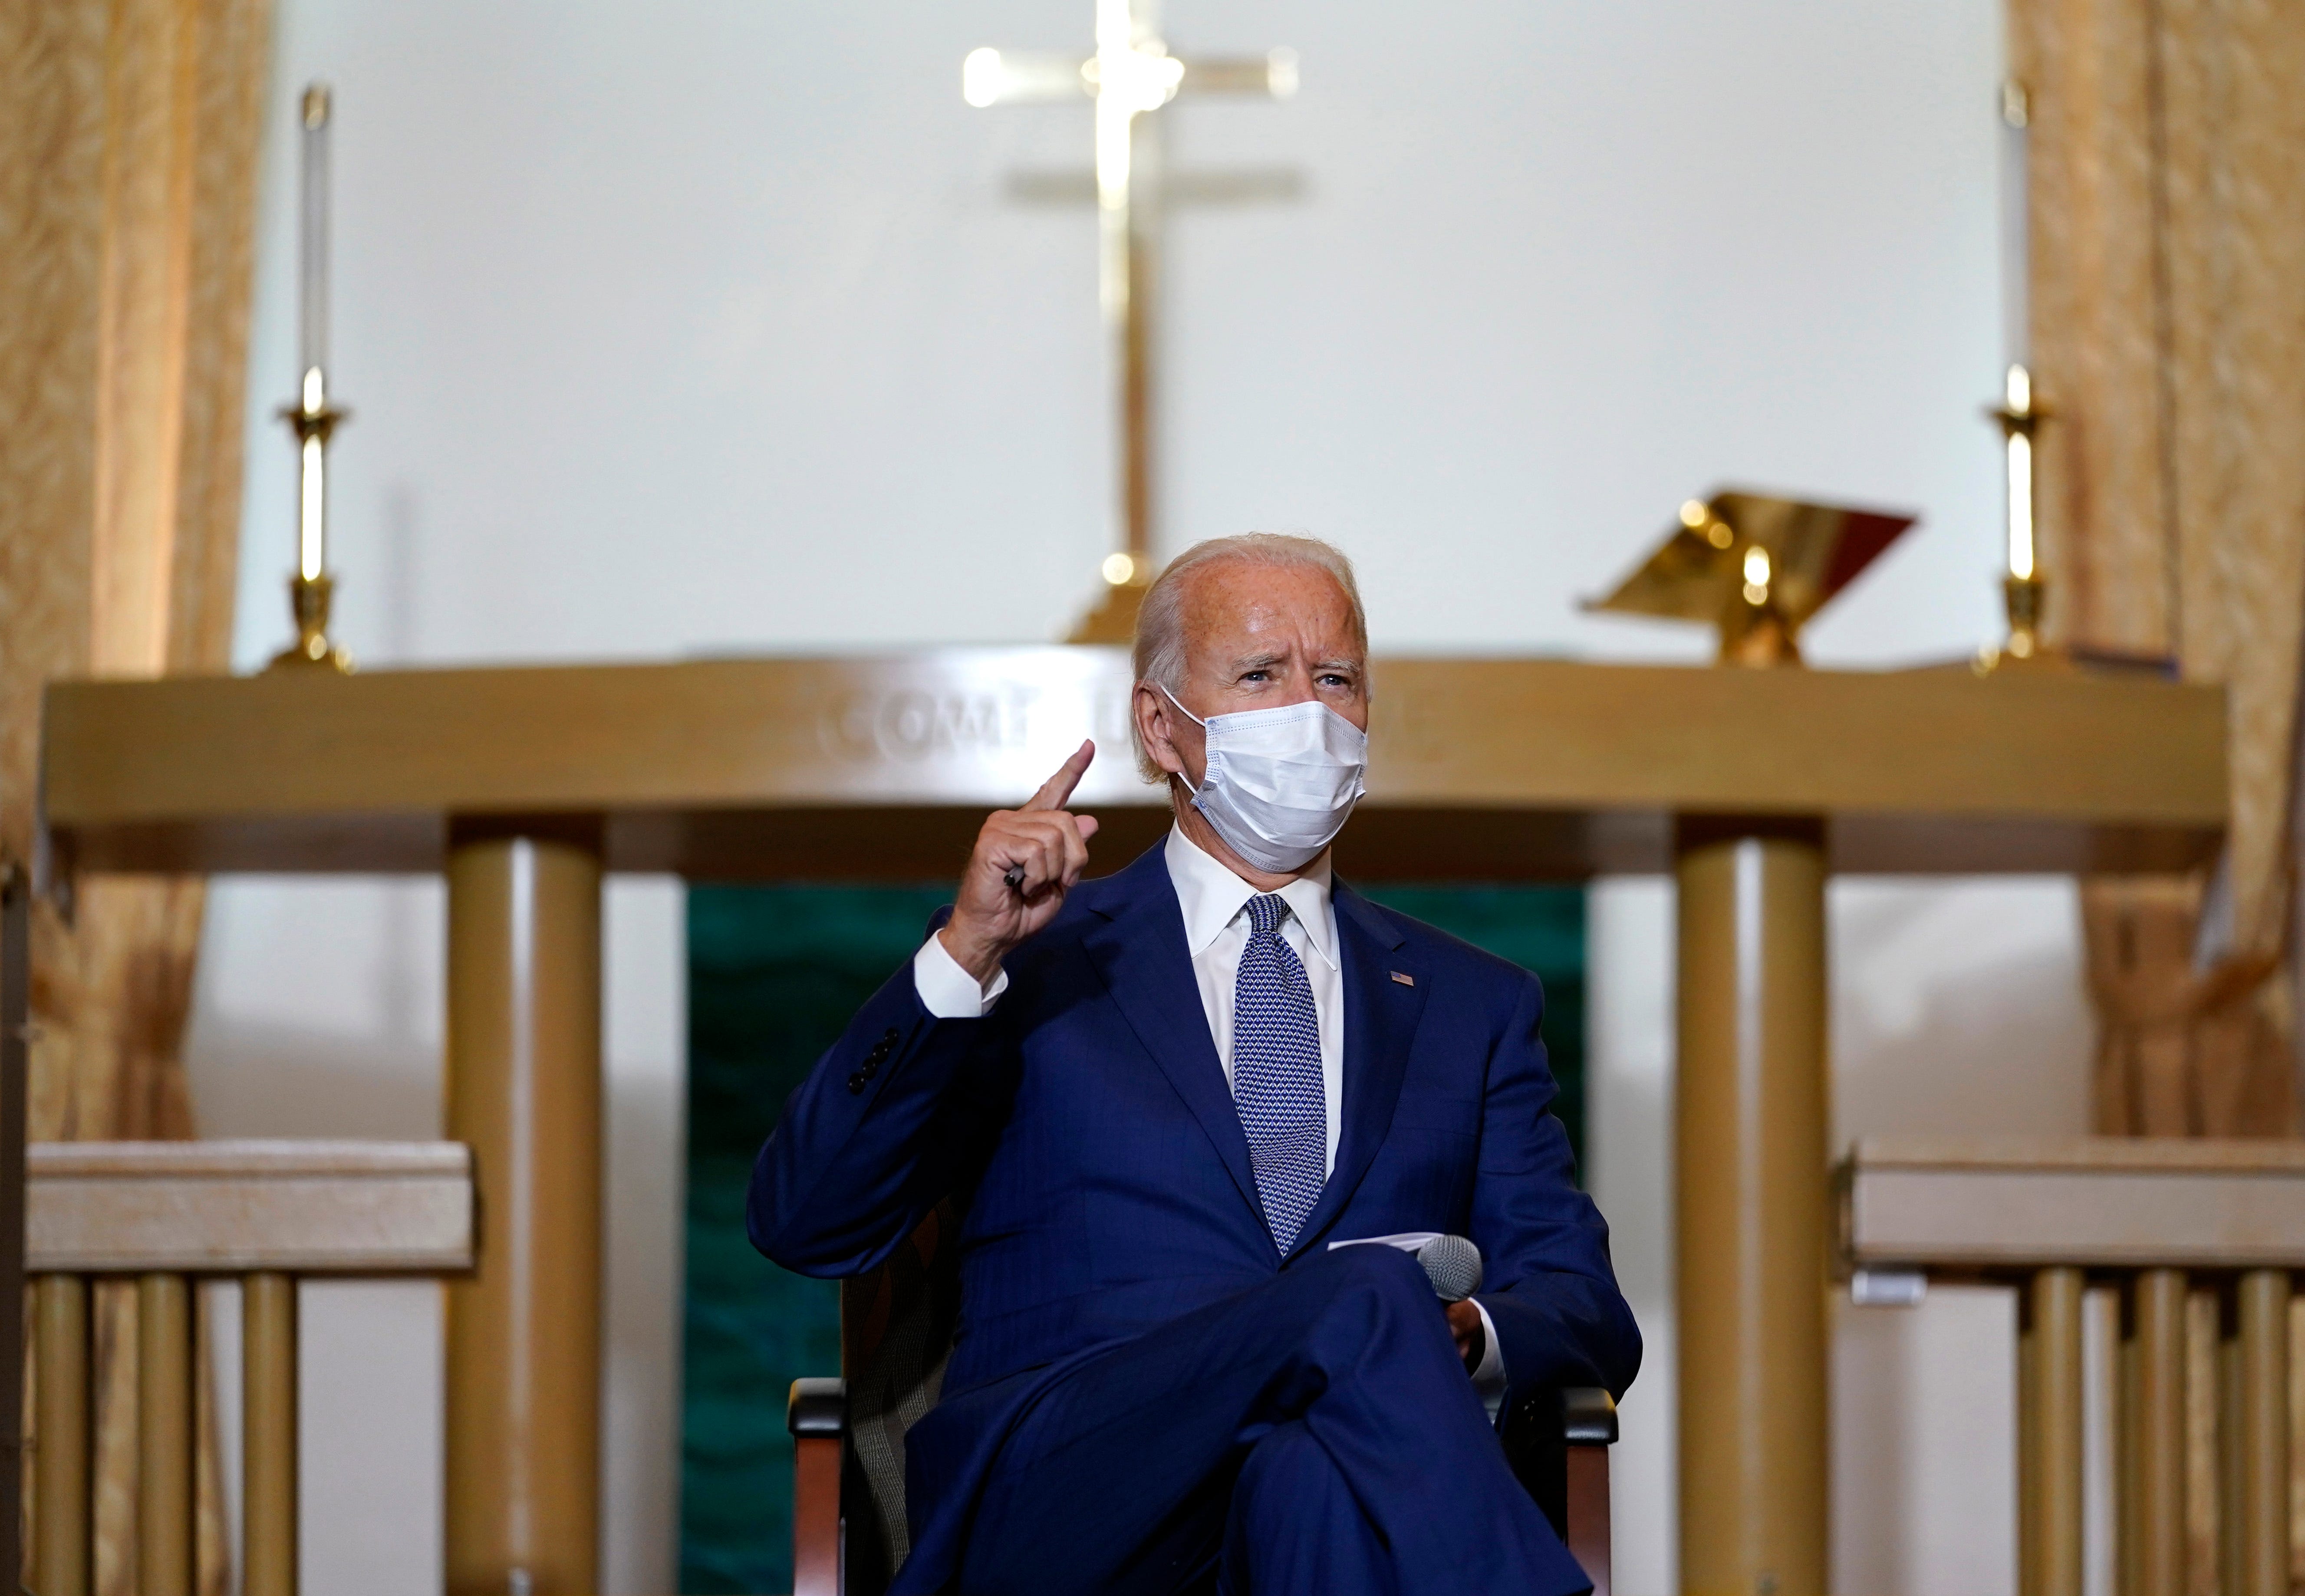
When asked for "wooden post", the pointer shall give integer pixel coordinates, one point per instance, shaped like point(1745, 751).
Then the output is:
point(2258, 1498)
point(1752, 1208)
point(2051, 1543)
point(61, 1545)
point(164, 1435)
point(2155, 1508)
point(523, 1329)
point(267, 1435)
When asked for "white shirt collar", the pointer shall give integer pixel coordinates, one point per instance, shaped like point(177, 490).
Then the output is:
point(1211, 897)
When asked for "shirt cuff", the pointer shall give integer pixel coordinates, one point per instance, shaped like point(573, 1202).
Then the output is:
point(1489, 1381)
point(947, 991)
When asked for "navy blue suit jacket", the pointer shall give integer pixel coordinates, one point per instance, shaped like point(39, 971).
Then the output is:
point(1086, 1133)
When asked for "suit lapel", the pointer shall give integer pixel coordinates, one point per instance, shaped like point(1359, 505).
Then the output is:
point(1140, 953)
point(1381, 1020)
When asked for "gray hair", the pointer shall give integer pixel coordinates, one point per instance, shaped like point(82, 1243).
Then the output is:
point(1159, 657)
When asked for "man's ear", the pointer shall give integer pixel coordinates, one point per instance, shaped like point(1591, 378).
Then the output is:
point(1151, 711)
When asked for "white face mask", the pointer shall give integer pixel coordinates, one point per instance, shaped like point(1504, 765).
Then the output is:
point(1280, 782)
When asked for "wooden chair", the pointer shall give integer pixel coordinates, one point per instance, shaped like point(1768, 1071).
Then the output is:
point(849, 1533)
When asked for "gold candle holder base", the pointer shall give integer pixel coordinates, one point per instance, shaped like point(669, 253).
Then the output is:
point(2025, 597)
point(1758, 636)
point(309, 598)
point(1127, 577)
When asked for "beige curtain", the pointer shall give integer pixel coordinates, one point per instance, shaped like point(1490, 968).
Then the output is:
point(2168, 266)
point(128, 141)
point(2168, 274)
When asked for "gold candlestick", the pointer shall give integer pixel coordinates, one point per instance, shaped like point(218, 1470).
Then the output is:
point(311, 589)
point(312, 419)
point(2022, 589)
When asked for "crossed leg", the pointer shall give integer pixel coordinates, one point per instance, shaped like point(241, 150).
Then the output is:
point(1313, 1433)
point(1295, 1528)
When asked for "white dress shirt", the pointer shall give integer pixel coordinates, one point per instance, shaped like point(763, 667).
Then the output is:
point(1215, 903)
point(1216, 931)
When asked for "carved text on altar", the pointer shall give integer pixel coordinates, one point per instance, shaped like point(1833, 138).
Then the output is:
point(914, 724)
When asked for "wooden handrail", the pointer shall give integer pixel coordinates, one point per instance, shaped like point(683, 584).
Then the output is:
point(166, 1213)
point(306, 1207)
point(1990, 1204)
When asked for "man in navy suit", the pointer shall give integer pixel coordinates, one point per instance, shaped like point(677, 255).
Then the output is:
point(1160, 1100)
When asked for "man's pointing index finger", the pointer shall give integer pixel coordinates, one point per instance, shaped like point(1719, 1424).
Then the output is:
point(1059, 787)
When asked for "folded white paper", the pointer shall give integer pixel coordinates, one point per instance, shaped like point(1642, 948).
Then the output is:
point(1408, 1241)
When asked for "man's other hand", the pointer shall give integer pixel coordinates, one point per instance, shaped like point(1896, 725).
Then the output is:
point(1472, 1338)
point(1048, 845)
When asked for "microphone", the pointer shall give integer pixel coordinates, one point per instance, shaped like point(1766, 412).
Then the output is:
point(1453, 1264)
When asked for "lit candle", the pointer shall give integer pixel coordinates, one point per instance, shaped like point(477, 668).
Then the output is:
point(312, 343)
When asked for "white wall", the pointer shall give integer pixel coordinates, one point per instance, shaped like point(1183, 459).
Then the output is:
point(712, 326)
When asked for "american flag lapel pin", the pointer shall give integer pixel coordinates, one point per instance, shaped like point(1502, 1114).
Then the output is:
point(1404, 979)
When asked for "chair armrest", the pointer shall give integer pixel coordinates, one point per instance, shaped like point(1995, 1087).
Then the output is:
point(818, 1407)
point(817, 1415)
point(1588, 1417)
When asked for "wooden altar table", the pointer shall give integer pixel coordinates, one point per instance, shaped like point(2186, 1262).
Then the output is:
point(523, 785)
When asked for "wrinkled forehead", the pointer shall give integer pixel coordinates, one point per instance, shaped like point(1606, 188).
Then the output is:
point(1235, 602)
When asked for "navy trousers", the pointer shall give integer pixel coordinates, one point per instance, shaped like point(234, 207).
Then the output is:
point(1314, 1433)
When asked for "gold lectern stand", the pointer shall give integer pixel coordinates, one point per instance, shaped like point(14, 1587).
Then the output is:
point(1752, 1111)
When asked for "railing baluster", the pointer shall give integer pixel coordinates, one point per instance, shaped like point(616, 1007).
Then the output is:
point(2050, 1409)
point(267, 1354)
point(2205, 1501)
point(2156, 1506)
point(2126, 1581)
point(2108, 1445)
point(60, 1500)
point(2224, 1451)
point(164, 1423)
point(2197, 1241)
point(2259, 1497)
point(153, 1218)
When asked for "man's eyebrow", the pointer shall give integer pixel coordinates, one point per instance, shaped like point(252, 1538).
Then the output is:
point(1341, 663)
point(1255, 662)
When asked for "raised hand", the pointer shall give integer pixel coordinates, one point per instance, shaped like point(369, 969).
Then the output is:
point(1026, 860)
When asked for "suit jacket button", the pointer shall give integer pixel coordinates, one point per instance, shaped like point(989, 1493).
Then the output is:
point(856, 1082)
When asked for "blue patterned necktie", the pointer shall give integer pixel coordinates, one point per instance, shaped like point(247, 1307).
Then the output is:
point(1276, 1073)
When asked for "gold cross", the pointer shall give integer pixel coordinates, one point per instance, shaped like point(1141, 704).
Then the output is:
point(1131, 76)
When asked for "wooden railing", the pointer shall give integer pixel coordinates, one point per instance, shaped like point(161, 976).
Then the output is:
point(2194, 1243)
point(165, 1215)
